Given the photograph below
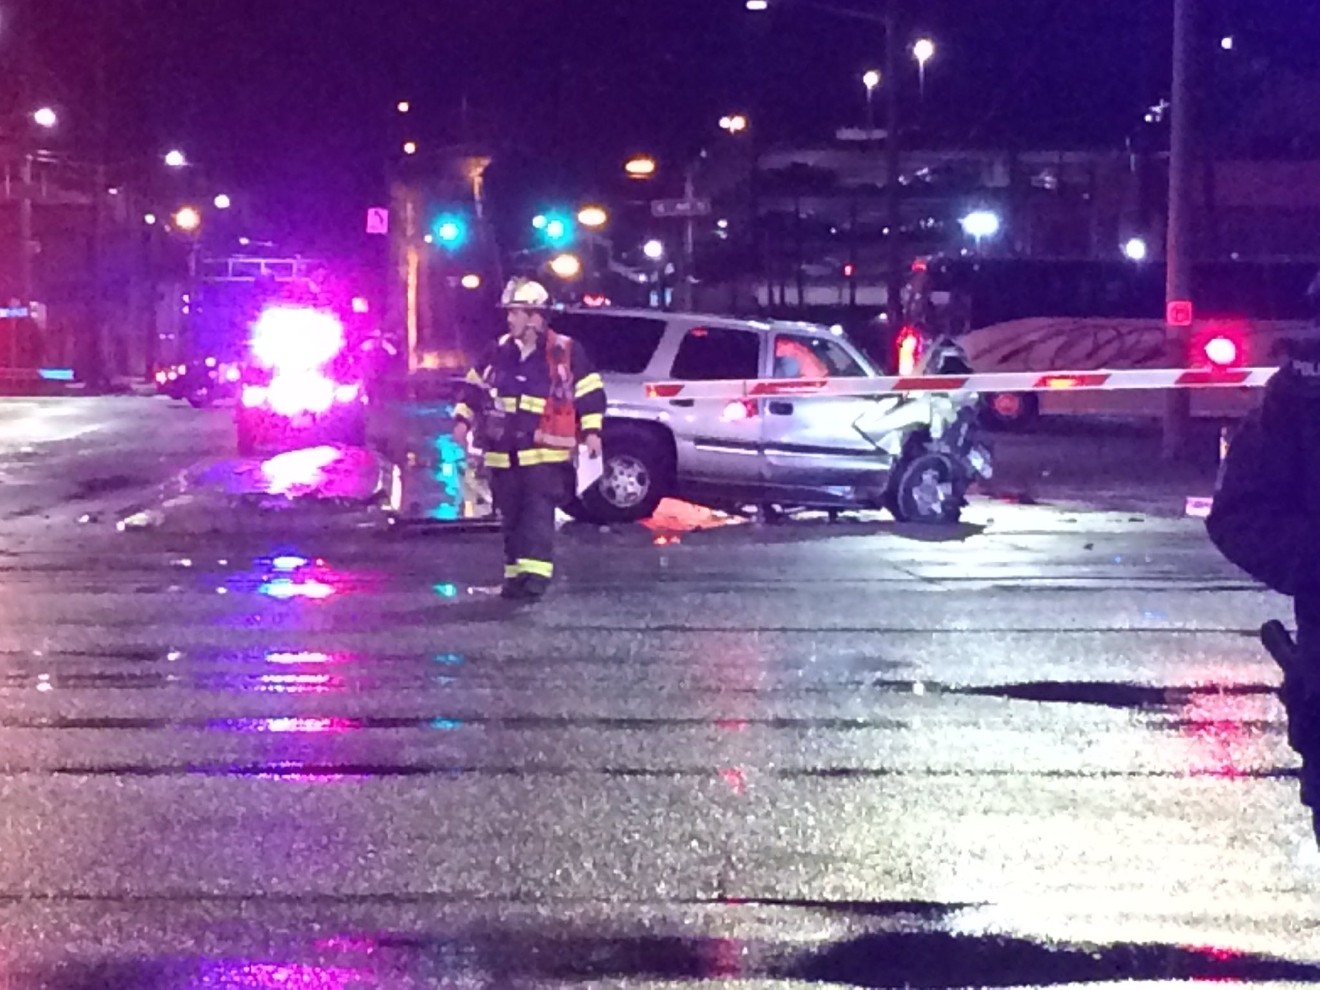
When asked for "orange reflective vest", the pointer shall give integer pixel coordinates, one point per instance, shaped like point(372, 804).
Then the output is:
point(558, 426)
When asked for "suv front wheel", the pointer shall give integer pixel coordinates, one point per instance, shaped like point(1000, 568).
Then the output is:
point(636, 476)
point(927, 487)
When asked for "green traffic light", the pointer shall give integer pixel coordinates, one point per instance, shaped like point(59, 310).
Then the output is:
point(451, 231)
point(556, 228)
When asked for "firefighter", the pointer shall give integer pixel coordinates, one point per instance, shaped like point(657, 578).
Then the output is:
point(1266, 519)
point(542, 398)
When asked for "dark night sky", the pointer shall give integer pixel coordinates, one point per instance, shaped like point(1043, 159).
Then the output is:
point(291, 101)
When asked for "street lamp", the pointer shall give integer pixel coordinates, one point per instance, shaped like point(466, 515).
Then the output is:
point(223, 202)
point(594, 217)
point(758, 5)
point(1226, 43)
point(1135, 249)
point(566, 266)
point(871, 80)
point(45, 117)
point(404, 106)
point(188, 219)
point(980, 224)
point(923, 51)
point(410, 147)
point(640, 167)
point(149, 219)
point(734, 123)
point(654, 250)
point(176, 159)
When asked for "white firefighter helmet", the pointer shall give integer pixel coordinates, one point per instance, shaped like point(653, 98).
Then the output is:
point(524, 293)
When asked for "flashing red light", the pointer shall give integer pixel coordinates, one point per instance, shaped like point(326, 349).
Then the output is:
point(849, 270)
point(919, 265)
point(908, 347)
point(1221, 351)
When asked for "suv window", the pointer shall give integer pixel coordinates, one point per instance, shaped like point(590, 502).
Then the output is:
point(622, 345)
point(813, 357)
point(715, 353)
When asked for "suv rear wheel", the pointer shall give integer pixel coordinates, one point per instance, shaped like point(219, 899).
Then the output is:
point(637, 474)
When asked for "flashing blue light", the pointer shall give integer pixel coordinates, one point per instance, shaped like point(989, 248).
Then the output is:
point(56, 374)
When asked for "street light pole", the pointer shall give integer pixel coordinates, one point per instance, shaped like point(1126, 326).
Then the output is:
point(685, 297)
point(893, 166)
point(1179, 251)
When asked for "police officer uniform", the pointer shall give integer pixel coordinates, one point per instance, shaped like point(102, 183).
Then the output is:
point(1266, 519)
point(540, 398)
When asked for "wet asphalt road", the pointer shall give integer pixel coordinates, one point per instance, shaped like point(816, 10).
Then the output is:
point(1039, 750)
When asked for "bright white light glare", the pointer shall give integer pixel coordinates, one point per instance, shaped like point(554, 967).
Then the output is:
point(176, 159)
point(981, 223)
point(1226, 43)
point(346, 393)
point(149, 219)
point(1135, 249)
point(653, 250)
point(45, 117)
point(871, 79)
point(410, 147)
point(295, 338)
point(593, 216)
point(298, 469)
point(924, 50)
point(253, 396)
point(303, 391)
point(471, 281)
point(223, 202)
point(361, 305)
point(758, 4)
point(1221, 351)
point(404, 106)
point(289, 563)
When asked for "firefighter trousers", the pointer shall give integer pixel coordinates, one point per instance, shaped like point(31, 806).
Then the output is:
point(526, 498)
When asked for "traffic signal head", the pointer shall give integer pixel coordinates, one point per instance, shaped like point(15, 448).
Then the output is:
point(555, 228)
point(450, 231)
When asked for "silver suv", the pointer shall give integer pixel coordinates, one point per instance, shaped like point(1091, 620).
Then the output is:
point(915, 455)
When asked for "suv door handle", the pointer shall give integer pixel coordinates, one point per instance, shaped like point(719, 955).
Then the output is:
point(685, 403)
point(781, 408)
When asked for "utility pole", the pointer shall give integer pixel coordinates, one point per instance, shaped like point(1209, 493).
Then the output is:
point(94, 370)
point(893, 168)
point(1179, 250)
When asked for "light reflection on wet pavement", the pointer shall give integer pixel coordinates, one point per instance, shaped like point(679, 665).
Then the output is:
point(800, 756)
